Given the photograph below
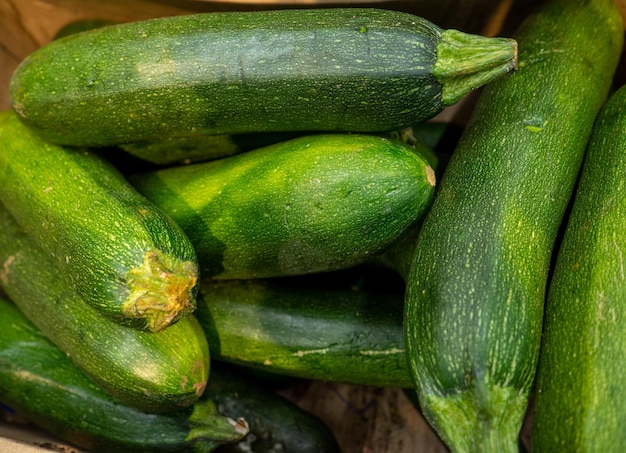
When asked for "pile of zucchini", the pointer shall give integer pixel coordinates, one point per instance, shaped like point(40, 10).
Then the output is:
point(189, 203)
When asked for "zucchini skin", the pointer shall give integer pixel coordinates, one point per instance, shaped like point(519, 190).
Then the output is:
point(122, 254)
point(276, 423)
point(155, 372)
point(40, 382)
point(315, 203)
point(476, 287)
point(311, 332)
point(581, 373)
point(349, 69)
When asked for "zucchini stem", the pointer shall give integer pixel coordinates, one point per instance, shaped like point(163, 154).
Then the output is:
point(161, 290)
point(466, 61)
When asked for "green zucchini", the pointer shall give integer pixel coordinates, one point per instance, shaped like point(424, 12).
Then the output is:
point(323, 69)
point(476, 286)
point(39, 382)
point(581, 373)
point(151, 371)
point(314, 203)
point(276, 423)
point(122, 254)
point(186, 150)
point(296, 329)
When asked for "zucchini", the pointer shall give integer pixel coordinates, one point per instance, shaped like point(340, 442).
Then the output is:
point(307, 330)
point(186, 150)
point(323, 69)
point(276, 423)
point(581, 374)
point(151, 371)
point(476, 286)
point(39, 382)
point(314, 203)
point(122, 254)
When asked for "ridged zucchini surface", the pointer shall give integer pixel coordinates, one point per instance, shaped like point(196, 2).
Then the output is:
point(476, 287)
point(124, 256)
point(157, 372)
point(327, 69)
point(580, 378)
point(314, 203)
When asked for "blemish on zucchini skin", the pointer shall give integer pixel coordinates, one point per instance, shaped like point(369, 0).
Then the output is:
point(534, 124)
point(6, 268)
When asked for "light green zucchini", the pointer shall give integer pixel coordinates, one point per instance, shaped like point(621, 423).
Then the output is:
point(123, 255)
point(315, 203)
point(154, 372)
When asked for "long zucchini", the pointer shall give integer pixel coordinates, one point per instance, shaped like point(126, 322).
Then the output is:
point(309, 331)
point(476, 287)
point(581, 376)
point(314, 203)
point(122, 254)
point(151, 371)
point(351, 69)
point(39, 382)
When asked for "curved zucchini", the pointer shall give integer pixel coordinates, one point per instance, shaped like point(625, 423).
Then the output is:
point(151, 371)
point(476, 287)
point(581, 374)
point(122, 254)
point(312, 332)
point(315, 203)
point(41, 383)
point(349, 69)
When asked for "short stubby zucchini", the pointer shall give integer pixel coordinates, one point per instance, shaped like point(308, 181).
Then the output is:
point(155, 372)
point(476, 287)
point(308, 331)
point(315, 203)
point(39, 382)
point(324, 69)
point(581, 374)
point(123, 255)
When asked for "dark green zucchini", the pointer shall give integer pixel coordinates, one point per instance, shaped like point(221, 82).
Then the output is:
point(39, 382)
point(581, 375)
point(276, 423)
point(315, 332)
point(122, 254)
point(335, 69)
point(476, 287)
point(152, 371)
point(315, 203)
point(186, 150)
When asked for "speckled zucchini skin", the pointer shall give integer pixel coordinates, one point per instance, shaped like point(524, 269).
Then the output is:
point(476, 288)
point(356, 69)
point(122, 254)
point(311, 204)
point(292, 329)
point(40, 382)
point(581, 366)
point(151, 371)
